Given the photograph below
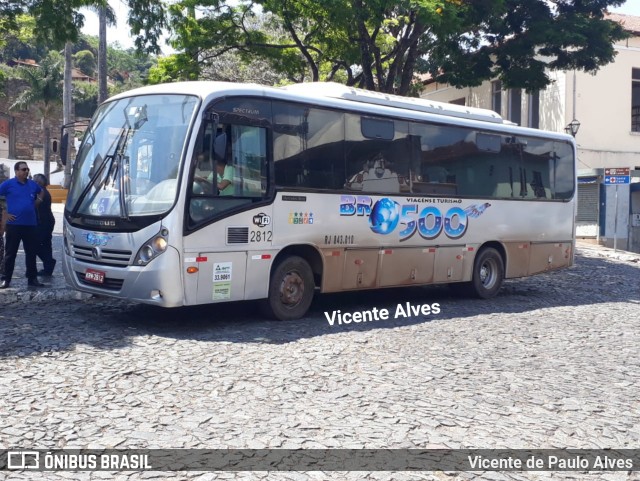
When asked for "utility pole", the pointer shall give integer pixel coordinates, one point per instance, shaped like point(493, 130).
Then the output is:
point(102, 54)
point(66, 113)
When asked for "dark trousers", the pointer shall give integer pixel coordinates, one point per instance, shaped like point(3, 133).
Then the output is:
point(28, 235)
point(1, 254)
point(45, 249)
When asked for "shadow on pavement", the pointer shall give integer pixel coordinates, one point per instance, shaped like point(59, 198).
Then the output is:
point(54, 326)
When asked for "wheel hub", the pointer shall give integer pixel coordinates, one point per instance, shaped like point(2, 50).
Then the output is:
point(291, 289)
point(487, 276)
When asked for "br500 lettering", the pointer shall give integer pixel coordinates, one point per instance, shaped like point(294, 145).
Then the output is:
point(429, 222)
point(431, 216)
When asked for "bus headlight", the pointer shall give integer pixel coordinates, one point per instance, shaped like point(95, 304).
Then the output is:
point(152, 248)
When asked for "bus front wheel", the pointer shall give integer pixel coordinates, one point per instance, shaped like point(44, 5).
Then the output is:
point(488, 274)
point(291, 290)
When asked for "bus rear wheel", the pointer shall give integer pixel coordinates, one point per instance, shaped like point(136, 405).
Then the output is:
point(291, 289)
point(488, 274)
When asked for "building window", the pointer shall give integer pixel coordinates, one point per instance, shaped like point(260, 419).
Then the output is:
point(515, 106)
point(460, 101)
point(534, 110)
point(635, 100)
point(496, 96)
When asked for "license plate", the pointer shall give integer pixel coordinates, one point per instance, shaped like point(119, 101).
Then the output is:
point(91, 275)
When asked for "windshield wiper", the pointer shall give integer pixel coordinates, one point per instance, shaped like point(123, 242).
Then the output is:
point(109, 160)
point(102, 164)
point(111, 163)
point(116, 163)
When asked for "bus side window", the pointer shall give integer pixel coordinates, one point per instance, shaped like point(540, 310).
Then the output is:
point(308, 147)
point(249, 154)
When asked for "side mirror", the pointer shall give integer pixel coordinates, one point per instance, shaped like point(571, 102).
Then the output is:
point(64, 147)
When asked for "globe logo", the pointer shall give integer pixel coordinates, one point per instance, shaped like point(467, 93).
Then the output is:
point(384, 216)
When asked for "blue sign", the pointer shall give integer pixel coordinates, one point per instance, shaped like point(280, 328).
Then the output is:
point(617, 179)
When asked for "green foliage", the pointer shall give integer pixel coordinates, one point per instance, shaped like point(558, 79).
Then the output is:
point(9, 12)
point(172, 68)
point(59, 21)
point(21, 42)
point(520, 41)
point(85, 98)
point(122, 64)
point(3, 79)
point(372, 45)
point(85, 60)
point(44, 86)
point(147, 18)
point(381, 44)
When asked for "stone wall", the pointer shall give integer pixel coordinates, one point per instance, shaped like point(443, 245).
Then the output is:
point(25, 129)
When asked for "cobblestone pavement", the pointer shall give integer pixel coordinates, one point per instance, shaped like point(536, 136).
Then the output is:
point(553, 361)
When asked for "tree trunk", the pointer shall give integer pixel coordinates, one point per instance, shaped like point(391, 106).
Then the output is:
point(66, 113)
point(102, 55)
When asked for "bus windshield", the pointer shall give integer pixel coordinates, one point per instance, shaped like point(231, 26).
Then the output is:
point(129, 160)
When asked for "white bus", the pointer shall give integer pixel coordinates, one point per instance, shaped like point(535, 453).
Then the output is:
point(205, 192)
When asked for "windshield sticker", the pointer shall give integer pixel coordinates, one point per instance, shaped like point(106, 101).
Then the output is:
point(387, 215)
point(103, 206)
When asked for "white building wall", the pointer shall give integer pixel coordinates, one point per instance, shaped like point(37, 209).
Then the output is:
point(552, 101)
point(554, 111)
point(603, 107)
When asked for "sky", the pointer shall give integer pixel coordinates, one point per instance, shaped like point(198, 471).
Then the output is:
point(120, 33)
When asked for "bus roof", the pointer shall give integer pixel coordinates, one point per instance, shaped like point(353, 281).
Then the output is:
point(329, 90)
point(335, 90)
point(336, 95)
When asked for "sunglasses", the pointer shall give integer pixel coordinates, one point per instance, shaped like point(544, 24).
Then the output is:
point(24, 169)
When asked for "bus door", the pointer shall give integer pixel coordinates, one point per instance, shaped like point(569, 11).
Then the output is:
point(228, 178)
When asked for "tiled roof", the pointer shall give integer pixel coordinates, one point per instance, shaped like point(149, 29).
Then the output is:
point(631, 23)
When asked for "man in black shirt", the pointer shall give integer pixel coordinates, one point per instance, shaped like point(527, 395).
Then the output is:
point(46, 222)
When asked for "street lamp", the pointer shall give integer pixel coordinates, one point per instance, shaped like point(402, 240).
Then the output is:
point(573, 127)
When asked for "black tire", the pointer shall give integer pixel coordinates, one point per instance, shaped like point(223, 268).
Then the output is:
point(291, 289)
point(488, 274)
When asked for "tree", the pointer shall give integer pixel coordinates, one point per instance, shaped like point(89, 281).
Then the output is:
point(381, 44)
point(172, 68)
point(86, 62)
point(106, 16)
point(21, 43)
point(44, 90)
point(58, 21)
point(521, 41)
point(3, 79)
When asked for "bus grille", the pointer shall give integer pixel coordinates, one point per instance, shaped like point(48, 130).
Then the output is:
point(109, 283)
point(237, 235)
point(108, 257)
